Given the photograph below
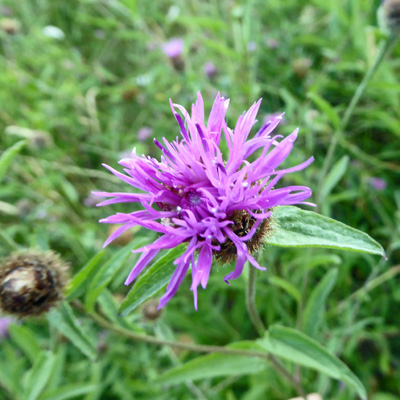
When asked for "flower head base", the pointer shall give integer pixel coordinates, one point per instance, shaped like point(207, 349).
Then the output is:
point(221, 208)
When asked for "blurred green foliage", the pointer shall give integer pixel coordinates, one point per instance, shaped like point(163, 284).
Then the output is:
point(80, 99)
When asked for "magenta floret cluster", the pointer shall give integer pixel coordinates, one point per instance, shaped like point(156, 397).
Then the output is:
point(191, 194)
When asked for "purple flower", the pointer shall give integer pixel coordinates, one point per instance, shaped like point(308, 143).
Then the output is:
point(4, 324)
point(378, 183)
point(251, 46)
point(173, 48)
point(272, 43)
point(220, 208)
point(144, 133)
point(210, 69)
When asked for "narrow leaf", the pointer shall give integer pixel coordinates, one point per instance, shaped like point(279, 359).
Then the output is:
point(105, 274)
point(65, 322)
point(77, 285)
point(26, 340)
point(334, 176)
point(8, 155)
point(155, 278)
point(69, 391)
point(38, 376)
point(214, 365)
point(295, 346)
point(286, 286)
point(299, 228)
point(326, 108)
point(315, 307)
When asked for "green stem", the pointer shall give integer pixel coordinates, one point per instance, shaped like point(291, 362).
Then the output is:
point(9, 241)
point(385, 48)
point(251, 301)
point(161, 342)
point(258, 324)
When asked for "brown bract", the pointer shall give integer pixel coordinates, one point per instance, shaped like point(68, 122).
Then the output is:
point(243, 222)
point(31, 282)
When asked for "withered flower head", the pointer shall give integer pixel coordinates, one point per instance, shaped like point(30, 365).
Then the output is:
point(31, 282)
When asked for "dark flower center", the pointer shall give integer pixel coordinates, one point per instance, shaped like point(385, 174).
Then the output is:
point(194, 198)
point(242, 224)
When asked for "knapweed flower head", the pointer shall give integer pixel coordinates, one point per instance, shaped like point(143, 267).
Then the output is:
point(221, 207)
point(173, 48)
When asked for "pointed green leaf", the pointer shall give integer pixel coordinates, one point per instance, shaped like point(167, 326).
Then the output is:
point(26, 340)
point(69, 391)
point(299, 228)
point(106, 273)
point(214, 365)
point(286, 286)
point(334, 176)
point(64, 321)
point(8, 155)
point(315, 307)
point(79, 282)
point(155, 278)
point(37, 377)
point(326, 108)
point(295, 346)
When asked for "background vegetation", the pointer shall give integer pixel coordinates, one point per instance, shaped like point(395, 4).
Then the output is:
point(80, 99)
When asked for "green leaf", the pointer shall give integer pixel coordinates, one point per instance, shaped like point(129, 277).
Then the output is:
point(80, 281)
point(37, 377)
point(8, 155)
point(106, 273)
point(295, 346)
point(214, 365)
point(334, 176)
point(64, 321)
point(326, 108)
point(69, 391)
point(287, 286)
point(299, 228)
point(109, 308)
point(26, 340)
point(315, 307)
point(156, 277)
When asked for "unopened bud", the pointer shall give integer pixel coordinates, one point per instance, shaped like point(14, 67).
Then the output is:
point(31, 282)
point(151, 311)
point(389, 16)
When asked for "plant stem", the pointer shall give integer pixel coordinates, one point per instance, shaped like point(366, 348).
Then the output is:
point(259, 325)
point(385, 48)
point(251, 301)
point(284, 372)
point(9, 241)
point(161, 342)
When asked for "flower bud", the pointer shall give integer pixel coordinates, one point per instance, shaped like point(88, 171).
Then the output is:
point(389, 16)
point(31, 282)
point(10, 26)
point(150, 310)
